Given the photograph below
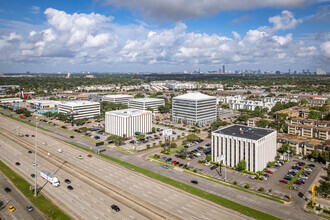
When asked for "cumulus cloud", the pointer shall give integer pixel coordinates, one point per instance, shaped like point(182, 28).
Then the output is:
point(93, 39)
point(182, 9)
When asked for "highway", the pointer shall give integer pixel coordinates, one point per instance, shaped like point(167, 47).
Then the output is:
point(95, 177)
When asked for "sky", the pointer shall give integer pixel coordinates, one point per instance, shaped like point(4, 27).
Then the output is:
point(163, 35)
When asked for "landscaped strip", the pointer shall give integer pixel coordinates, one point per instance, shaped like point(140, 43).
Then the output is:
point(41, 202)
point(198, 192)
point(28, 123)
point(295, 178)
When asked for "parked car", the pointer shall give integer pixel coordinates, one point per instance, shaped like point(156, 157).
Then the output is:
point(297, 183)
point(60, 150)
point(164, 166)
point(284, 181)
point(268, 171)
point(69, 188)
point(303, 176)
point(67, 181)
point(71, 136)
point(30, 152)
point(163, 158)
point(116, 208)
point(11, 208)
point(194, 181)
point(29, 208)
point(80, 157)
point(7, 189)
point(18, 163)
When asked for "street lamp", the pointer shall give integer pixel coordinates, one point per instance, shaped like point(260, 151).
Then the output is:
point(288, 151)
point(35, 161)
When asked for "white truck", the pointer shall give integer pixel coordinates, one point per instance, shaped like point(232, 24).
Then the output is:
point(50, 177)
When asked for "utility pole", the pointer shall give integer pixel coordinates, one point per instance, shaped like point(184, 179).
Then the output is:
point(35, 161)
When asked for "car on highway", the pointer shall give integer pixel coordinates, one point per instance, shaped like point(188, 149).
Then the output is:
point(194, 181)
point(284, 181)
point(29, 208)
point(18, 163)
point(164, 166)
point(11, 208)
point(30, 152)
point(60, 150)
point(7, 189)
point(80, 157)
point(116, 208)
point(67, 181)
point(69, 188)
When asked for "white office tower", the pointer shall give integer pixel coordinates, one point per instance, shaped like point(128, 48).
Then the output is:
point(195, 107)
point(128, 122)
point(144, 103)
point(122, 99)
point(257, 146)
point(80, 109)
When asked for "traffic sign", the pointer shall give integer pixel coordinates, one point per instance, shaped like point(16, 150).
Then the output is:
point(91, 148)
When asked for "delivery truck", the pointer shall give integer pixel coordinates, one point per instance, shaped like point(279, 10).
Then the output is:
point(50, 177)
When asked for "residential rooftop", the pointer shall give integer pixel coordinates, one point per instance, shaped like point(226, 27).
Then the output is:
point(194, 96)
point(128, 112)
point(246, 132)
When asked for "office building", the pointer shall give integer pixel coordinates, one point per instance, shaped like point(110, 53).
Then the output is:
point(80, 109)
point(257, 146)
point(11, 100)
point(144, 103)
point(128, 121)
point(122, 99)
point(194, 108)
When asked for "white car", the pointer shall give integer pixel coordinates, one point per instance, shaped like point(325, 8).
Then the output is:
point(44, 143)
point(33, 163)
point(303, 176)
point(80, 157)
point(253, 176)
point(60, 150)
point(207, 163)
point(308, 169)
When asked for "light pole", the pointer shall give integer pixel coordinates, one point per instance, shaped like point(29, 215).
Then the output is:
point(35, 162)
point(288, 151)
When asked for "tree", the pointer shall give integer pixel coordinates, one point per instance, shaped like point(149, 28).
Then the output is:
point(315, 154)
point(241, 165)
point(225, 106)
point(116, 139)
point(192, 137)
point(262, 123)
point(314, 115)
point(163, 109)
point(153, 129)
point(140, 136)
point(139, 95)
point(283, 148)
point(182, 152)
point(215, 125)
point(243, 117)
point(149, 109)
point(173, 145)
point(303, 101)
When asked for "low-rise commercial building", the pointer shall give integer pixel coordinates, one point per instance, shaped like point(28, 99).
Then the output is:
point(80, 109)
point(128, 121)
point(11, 100)
point(122, 99)
point(194, 108)
point(257, 146)
point(144, 103)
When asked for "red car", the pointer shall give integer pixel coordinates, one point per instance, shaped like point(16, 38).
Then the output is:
point(174, 161)
point(268, 171)
point(89, 155)
point(283, 181)
point(298, 183)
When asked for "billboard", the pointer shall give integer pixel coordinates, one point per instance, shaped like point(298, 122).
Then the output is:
point(167, 132)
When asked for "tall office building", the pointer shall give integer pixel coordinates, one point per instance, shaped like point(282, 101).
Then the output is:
point(223, 69)
point(128, 122)
point(144, 103)
point(257, 146)
point(195, 107)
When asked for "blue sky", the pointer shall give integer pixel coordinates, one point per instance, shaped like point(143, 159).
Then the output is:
point(172, 35)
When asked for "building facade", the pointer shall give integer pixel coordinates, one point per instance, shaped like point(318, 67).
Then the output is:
point(80, 109)
point(192, 108)
point(128, 121)
point(257, 146)
point(144, 103)
point(122, 99)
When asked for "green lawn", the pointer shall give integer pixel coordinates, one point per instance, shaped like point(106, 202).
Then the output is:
point(91, 139)
point(50, 210)
point(67, 131)
point(295, 178)
point(28, 123)
point(198, 192)
point(172, 150)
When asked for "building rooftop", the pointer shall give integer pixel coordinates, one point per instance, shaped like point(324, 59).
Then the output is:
point(146, 100)
point(117, 96)
point(194, 96)
point(43, 101)
point(243, 131)
point(79, 103)
point(128, 112)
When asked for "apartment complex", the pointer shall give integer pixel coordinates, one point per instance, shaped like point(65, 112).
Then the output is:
point(294, 112)
point(309, 128)
point(303, 145)
point(257, 146)
point(253, 121)
point(128, 122)
point(227, 114)
point(195, 107)
point(122, 99)
point(144, 103)
point(80, 109)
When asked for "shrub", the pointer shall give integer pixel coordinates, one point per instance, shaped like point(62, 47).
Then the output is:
point(235, 182)
point(247, 186)
point(187, 167)
point(156, 156)
point(261, 178)
point(201, 161)
point(162, 151)
point(195, 170)
point(148, 146)
point(261, 189)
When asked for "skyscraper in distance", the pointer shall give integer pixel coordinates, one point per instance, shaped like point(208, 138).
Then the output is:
point(223, 69)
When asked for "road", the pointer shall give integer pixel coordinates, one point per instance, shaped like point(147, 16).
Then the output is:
point(16, 199)
point(153, 194)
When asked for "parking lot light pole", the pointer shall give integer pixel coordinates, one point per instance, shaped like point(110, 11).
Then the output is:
point(35, 161)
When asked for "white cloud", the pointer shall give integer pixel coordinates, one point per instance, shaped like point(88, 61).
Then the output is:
point(35, 9)
point(94, 40)
point(182, 9)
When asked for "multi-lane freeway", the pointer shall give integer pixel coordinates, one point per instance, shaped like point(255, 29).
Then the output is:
point(99, 183)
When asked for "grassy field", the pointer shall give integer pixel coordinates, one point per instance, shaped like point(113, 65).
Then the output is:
point(28, 123)
point(198, 192)
point(41, 202)
point(172, 150)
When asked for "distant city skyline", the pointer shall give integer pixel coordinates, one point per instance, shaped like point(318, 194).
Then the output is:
point(166, 36)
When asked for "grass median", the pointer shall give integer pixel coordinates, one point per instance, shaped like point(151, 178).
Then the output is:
point(42, 203)
point(28, 123)
point(190, 189)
